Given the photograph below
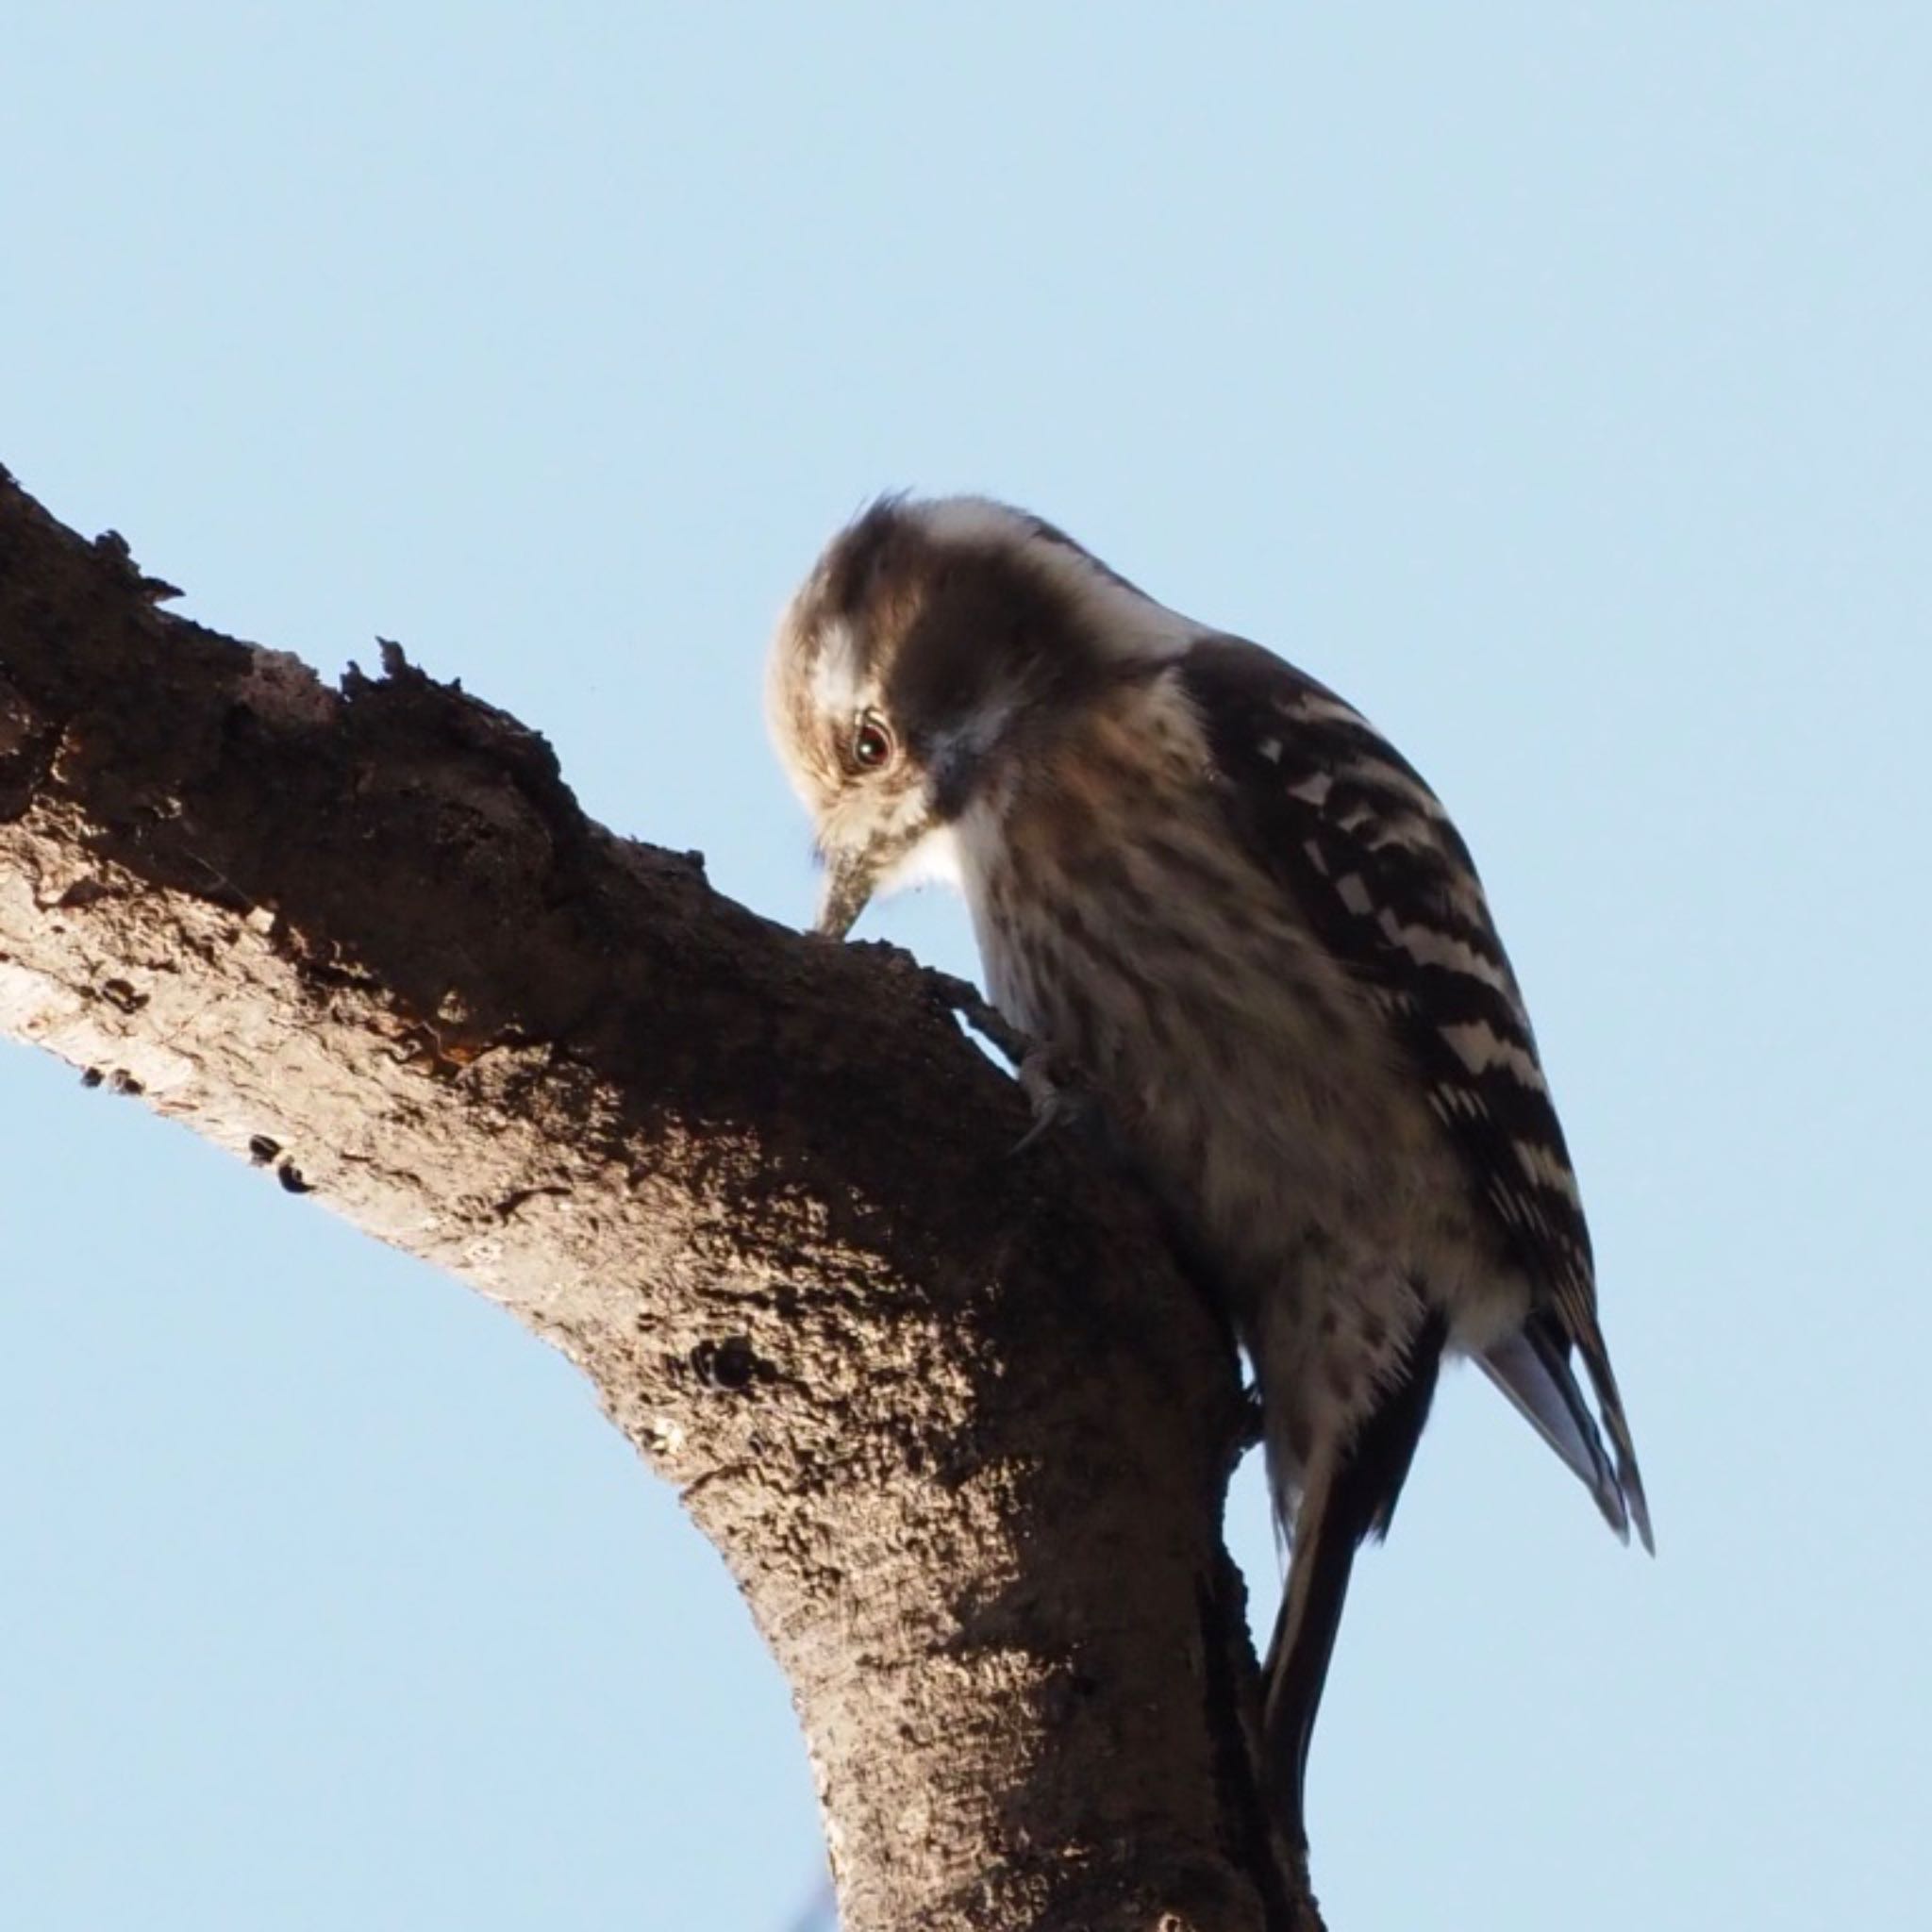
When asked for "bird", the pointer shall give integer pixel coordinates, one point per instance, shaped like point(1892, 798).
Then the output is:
point(1230, 916)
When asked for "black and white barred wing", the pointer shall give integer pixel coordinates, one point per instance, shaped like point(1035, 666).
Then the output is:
point(1350, 829)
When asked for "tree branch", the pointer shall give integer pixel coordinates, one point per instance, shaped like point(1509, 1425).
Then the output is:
point(957, 1427)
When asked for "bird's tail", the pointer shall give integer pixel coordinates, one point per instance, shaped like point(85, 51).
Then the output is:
point(1345, 1498)
point(1298, 1654)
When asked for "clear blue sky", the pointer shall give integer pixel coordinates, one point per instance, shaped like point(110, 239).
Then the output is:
point(1553, 378)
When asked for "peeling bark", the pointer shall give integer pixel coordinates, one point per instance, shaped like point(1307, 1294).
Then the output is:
point(957, 1427)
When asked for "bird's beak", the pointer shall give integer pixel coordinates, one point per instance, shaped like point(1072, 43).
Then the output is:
point(850, 877)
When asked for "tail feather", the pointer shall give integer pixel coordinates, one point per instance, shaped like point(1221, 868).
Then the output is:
point(1347, 1498)
point(1298, 1654)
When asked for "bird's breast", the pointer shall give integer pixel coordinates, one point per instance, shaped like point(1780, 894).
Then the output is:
point(1244, 1071)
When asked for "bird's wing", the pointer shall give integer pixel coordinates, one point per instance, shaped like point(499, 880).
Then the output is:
point(1348, 827)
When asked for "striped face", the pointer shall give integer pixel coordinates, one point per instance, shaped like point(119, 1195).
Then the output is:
point(933, 649)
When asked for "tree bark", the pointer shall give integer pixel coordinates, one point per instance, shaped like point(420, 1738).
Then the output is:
point(957, 1425)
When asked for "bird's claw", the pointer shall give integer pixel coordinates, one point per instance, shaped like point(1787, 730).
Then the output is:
point(1055, 1091)
point(1057, 1094)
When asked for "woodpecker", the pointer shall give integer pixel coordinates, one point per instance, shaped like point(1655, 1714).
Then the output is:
point(1205, 887)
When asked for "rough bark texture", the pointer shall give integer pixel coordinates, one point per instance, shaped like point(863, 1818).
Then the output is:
point(959, 1428)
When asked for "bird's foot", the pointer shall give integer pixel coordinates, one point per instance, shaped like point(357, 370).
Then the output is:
point(1056, 1093)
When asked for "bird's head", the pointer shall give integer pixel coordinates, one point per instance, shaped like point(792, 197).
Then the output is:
point(936, 647)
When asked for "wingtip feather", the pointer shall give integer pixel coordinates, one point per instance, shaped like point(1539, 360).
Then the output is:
point(1534, 1372)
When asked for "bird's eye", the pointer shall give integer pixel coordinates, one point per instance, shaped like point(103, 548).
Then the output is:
point(871, 742)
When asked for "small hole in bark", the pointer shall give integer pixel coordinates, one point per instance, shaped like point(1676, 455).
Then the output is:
point(728, 1364)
